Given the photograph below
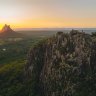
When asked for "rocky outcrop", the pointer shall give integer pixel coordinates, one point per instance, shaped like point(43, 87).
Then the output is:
point(62, 64)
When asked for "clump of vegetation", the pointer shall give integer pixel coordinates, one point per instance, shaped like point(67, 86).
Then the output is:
point(13, 56)
point(93, 34)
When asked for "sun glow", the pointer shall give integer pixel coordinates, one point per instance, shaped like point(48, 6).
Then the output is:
point(52, 13)
point(49, 23)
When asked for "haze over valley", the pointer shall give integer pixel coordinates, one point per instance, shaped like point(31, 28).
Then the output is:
point(47, 48)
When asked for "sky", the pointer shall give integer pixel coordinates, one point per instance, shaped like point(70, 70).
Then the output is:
point(48, 13)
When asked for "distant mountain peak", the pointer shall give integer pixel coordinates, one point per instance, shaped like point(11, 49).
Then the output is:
point(7, 32)
point(6, 28)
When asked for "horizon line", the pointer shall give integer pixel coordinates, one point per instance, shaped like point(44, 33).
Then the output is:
point(55, 28)
point(49, 28)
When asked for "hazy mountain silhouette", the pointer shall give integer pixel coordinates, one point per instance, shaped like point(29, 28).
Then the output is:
point(7, 32)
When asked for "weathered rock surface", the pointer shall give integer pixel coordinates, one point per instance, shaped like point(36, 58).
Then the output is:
point(64, 65)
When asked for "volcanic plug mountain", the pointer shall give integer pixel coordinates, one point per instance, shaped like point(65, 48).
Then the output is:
point(7, 32)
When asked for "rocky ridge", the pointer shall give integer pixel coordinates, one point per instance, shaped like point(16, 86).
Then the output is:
point(64, 65)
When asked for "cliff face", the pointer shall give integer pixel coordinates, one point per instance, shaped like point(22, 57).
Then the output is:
point(64, 65)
